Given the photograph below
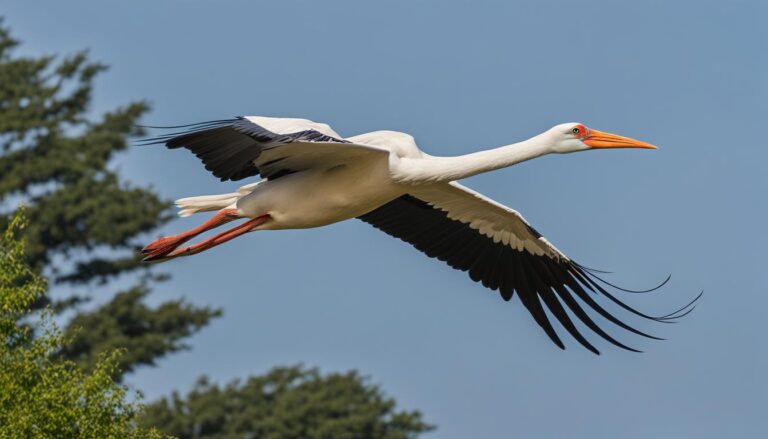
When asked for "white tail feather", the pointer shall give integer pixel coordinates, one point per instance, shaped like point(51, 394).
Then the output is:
point(204, 203)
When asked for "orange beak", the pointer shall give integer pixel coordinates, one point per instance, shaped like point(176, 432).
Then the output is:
point(599, 139)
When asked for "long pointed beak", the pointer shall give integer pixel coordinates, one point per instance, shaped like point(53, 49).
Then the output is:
point(599, 139)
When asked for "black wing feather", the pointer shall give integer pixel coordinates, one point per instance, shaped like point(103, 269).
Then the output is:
point(229, 148)
point(540, 281)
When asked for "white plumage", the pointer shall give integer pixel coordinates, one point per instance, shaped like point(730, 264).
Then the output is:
point(312, 177)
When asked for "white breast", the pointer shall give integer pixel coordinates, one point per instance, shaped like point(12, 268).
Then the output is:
point(319, 197)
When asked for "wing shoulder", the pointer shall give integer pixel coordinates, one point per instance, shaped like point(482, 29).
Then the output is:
point(488, 217)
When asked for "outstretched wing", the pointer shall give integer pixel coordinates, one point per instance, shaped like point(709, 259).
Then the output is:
point(233, 149)
point(501, 250)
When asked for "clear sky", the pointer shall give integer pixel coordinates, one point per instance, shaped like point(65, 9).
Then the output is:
point(691, 77)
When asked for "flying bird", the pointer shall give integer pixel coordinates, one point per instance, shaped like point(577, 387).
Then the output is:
point(311, 176)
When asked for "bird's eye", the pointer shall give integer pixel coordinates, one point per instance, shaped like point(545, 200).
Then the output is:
point(576, 130)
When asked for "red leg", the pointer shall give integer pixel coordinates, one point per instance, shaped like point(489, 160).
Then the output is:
point(214, 240)
point(163, 246)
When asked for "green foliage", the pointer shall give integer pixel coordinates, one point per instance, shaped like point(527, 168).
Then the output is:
point(41, 395)
point(126, 322)
point(286, 403)
point(85, 221)
point(57, 159)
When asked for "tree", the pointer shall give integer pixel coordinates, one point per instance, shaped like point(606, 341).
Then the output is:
point(285, 403)
point(41, 394)
point(84, 219)
point(84, 225)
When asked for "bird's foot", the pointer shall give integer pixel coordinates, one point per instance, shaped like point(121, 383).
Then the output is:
point(157, 250)
point(163, 246)
point(164, 249)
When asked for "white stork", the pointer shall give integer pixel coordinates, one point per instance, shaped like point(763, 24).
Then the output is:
point(312, 176)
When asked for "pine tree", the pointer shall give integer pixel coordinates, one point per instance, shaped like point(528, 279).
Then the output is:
point(85, 220)
point(285, 403)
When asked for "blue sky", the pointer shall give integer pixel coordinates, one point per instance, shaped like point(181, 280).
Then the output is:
point(689, 77)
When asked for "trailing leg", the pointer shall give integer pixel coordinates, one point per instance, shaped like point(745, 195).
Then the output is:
point(163, 246)
point(213, 241)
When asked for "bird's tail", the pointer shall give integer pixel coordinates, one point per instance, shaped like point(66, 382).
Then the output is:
point(205, 203)
point(191, 205)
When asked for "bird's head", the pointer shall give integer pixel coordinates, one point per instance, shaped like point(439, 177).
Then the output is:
point(572, 137)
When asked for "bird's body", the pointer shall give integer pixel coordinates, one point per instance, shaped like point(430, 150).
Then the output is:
point(313, 177)
point(318, 197)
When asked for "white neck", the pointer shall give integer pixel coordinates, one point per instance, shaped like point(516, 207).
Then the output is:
point(432, 169)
